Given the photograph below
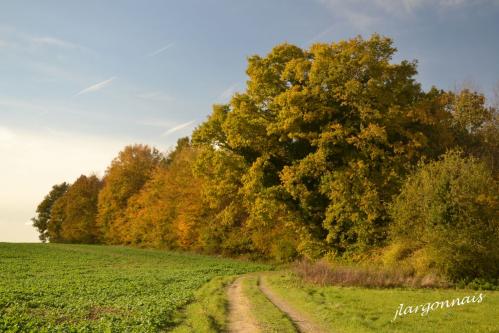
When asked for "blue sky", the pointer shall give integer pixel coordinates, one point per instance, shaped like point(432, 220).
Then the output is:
point(81, 79)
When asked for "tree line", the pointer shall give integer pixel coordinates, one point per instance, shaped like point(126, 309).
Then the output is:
point(333, 151)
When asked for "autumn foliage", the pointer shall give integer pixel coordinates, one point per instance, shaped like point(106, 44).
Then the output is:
point(304, 163)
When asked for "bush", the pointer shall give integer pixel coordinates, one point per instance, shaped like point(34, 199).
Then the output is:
point(480, 284)
point(446, 214)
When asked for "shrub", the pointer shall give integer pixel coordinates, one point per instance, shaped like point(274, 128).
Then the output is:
point(446, 213)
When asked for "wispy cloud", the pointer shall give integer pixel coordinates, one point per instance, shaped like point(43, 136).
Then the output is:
point(32, 43)
point(155, 96)
point(321, 34)
point(367, 14)
point(227, 93)
point(159, 51)
point(409, 6)
point(362, 21)
point(168, 125)
point(20, 105)
point(96, 87)
point(157, 123)
point(360, 14)
point(36, 108)
point(52, 41)
point(178, 127)
point(45, 71)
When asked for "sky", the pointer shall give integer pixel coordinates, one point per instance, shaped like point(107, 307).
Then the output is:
point(79, 80)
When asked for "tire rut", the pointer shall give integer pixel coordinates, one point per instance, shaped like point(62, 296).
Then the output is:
point(241, 319)
point(301, 322)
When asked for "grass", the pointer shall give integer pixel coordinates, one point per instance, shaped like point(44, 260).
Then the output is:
point(270, 318)
point(357, 310)
point(324, 273)
point(85, 288)
point(208, 313)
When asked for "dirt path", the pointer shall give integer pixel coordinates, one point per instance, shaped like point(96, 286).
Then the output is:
point(303, 324)
point(241, 319)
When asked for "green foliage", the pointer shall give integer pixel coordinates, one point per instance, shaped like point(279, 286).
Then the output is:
point(469, 111)
point(479, 284)
point(447, 212)
point(319, 141)
point(221, 171)
point(475, 125)
point(305, 163)
point(43, 211)
point(88, 288)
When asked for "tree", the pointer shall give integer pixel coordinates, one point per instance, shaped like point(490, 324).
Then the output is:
point(76, 212)
point(42, 219)
point(328, 133)
point(304, 162)
point(221, 173)
point(447, 219)
point(168, 211)
point(475, 125)
point(125, 177)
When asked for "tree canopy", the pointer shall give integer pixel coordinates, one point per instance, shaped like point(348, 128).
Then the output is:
point(306, 161)
point(42, 220)
point(73, 216)
point(126, 175)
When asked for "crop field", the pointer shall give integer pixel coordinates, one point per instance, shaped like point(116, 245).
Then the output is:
point(85, 288)
point(88, 288)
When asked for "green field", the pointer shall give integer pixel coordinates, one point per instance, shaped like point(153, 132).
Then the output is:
point(84, 288)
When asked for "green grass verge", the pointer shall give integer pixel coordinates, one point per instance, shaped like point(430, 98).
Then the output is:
point(358, 310)
point(269, 317)
point(208, 313)
point(85, 288)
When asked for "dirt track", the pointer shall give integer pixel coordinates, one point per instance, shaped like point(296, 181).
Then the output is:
point(241, 319)
point(302, 322)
